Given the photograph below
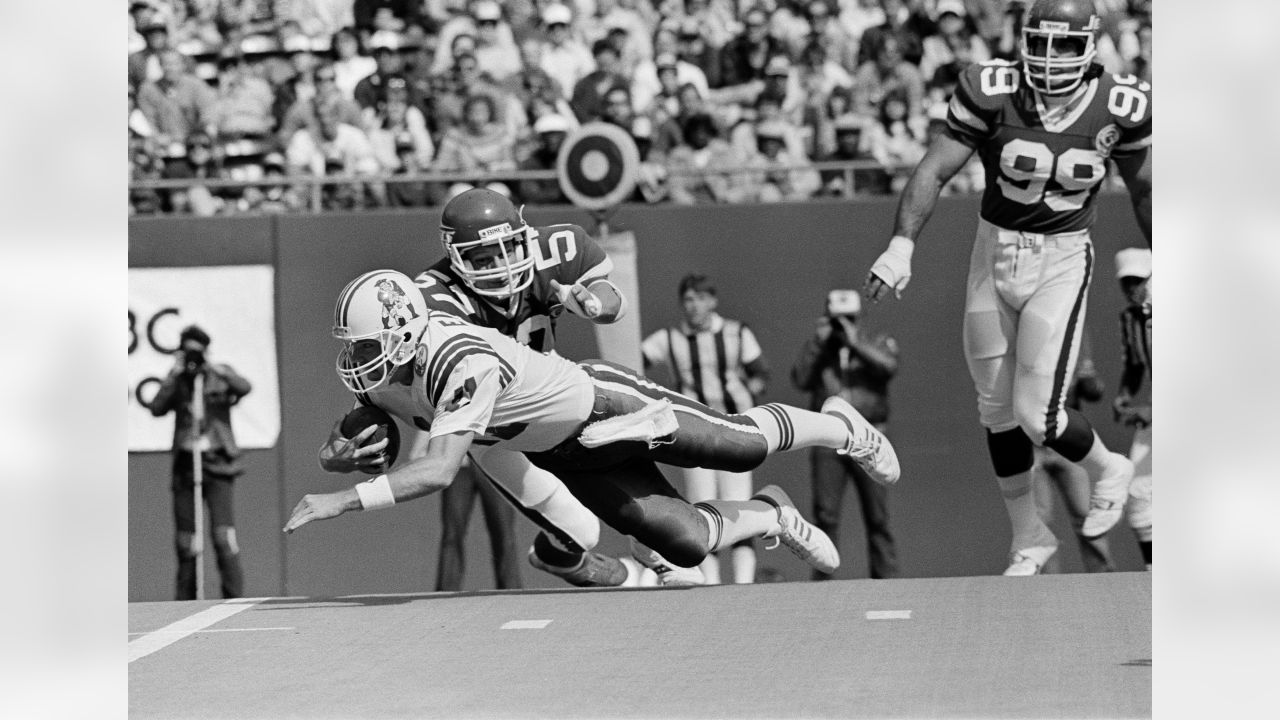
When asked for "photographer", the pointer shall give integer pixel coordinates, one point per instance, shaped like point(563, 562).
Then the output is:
point(223, 388)
point(841, 359)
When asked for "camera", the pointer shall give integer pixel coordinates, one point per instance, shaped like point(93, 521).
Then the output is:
point(193, 360)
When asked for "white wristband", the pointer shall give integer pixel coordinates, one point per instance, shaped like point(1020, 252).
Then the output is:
point(375, 493)
point(903, 246)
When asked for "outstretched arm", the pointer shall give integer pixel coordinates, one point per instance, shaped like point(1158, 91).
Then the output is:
point(432, 472)
point(1135, 170)
point(892, 269)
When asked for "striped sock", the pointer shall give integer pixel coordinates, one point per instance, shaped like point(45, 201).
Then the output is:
point(786, 427)
point(715, 524)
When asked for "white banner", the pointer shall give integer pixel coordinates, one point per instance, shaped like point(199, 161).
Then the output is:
point(236, 306)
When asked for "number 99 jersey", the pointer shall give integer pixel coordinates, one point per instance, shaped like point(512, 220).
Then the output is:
point(564, 253)
point(1044, 167)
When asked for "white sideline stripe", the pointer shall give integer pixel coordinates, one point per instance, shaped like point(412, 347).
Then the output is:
point(888, 614)
point(174, 632)
point(525, 624)
point(209, 630)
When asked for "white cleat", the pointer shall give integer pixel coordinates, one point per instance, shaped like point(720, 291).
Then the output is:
point(804, 539)
point(1106, 502)
point(669, 575)
point(867, 446)
point(1029, 561)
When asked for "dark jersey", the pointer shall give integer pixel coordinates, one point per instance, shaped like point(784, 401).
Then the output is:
point(1044, 170)
point(564, 253)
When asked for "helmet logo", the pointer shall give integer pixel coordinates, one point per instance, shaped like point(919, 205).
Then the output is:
point(500, 230)
point(397, 311)
point(1054, 26)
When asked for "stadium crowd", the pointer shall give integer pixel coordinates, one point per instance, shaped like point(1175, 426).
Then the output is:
point(728, 101)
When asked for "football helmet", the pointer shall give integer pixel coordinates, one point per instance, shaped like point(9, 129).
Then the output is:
point(1058, 44)
point(487, 242)
point(379, 318)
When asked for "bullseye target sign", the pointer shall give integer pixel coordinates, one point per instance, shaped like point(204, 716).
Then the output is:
point(597, 166)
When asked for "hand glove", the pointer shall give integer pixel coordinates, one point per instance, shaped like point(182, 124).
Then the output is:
point(578, 299)
point(893, 267)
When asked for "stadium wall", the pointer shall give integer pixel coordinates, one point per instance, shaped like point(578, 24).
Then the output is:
point(773, 265)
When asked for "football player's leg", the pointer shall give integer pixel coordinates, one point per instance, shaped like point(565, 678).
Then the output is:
point(1072, 485)
point(700, 486)
point(218, 492)
point(1049, 334)
point(500, 522)
point(989, 327)
point(456, 501)
point(737, 486)
point(568, 529)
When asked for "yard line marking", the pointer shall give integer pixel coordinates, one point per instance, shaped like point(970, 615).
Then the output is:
point(525, 624)
point(888, 614)
point(212, 630)
point(174, 632)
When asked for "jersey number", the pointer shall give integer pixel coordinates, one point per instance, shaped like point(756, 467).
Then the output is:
point(1026, 167)
point(998, 79)
point(553, 249)
point(1128, 100)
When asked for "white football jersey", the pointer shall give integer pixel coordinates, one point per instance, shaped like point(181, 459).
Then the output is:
point(472, 378)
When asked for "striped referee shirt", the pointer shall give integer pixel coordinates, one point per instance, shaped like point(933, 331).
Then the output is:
point(710, 366)
point(1135, 335)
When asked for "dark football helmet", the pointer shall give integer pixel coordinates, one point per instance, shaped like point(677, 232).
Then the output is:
point(1058, 44)
point(487, 242)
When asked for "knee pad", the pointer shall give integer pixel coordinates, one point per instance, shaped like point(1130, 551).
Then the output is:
point(670, 526)
point(1011, 452)
point(224, 540)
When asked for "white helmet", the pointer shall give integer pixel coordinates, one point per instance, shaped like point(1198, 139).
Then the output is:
point(383, 306)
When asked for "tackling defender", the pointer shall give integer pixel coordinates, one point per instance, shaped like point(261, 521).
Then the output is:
point(501, 273)
point(1044, 129)
point(599, 427)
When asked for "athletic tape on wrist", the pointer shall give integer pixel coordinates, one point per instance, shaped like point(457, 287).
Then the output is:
point(375, 493)
point(902, 245)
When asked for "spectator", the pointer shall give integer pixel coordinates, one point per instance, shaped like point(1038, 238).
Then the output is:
point(644, 82)
point(496, 52)
point(666, 103)
point(372, 90)
point(841, 47)
point(654, 140)
point(372, 16)
point(1055, 473)
point(955, 43)
point(400, 126)
point(850, 138)
point(743, 59)
point(244, 101)
point(350, 64)
point(208, 437)
point(716, 21)
point(845, 360)
point(144, 65)
point(909, 26)
point(321, 18)
point(693, 167)
point(788, 176)
point(1133, 270)
point(718, 362)
point(200, 160)
point(694, 49)
point(274, 195)
point(624, 26)
point(178, 103)
point(143, 165)
point(304, 59)
point(888, 72)
point(325, 92)
point(892, 140)
point(858, 16)
point(549, 133)
point(768, 111)
point(787, 22)
point(564, 57)
point(480, 145)
point(819, 75)
point(588, 95)
point(510, 111)
point(328, 146)
point(782, 81)
point(535, 90)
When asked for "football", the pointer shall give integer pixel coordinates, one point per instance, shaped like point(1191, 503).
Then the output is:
point(366, 415)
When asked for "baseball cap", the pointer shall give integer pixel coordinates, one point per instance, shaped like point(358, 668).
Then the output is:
point(771, 129)
point(551, 122)
point(1133, 262)
point(778, 65)
point(556, 13)
point(385, 40)
point(486, 10)
point(955, 7)
point(844, 302)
